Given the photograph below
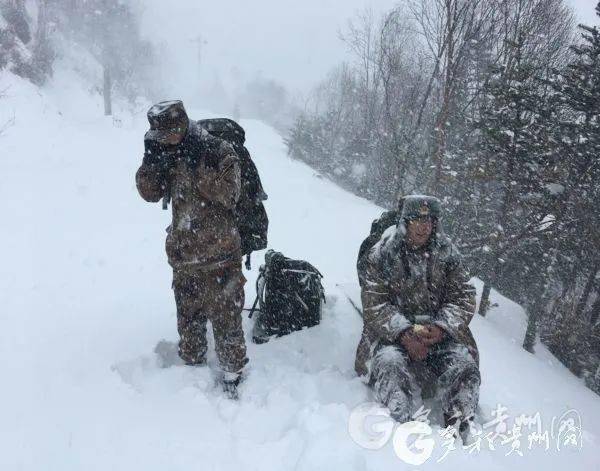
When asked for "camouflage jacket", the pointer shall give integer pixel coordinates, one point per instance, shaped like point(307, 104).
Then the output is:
point(202, 177)
point(401, 287)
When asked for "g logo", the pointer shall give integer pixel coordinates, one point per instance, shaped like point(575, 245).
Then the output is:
point(423, 446)
point(370, 426)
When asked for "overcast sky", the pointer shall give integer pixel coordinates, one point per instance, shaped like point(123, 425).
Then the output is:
point(294, 42)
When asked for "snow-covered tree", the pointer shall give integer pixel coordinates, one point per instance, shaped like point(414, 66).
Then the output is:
point(577, 99)
point(25, 48)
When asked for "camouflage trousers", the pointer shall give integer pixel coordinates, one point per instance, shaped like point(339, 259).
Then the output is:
point(448, 368)
point(218, 297)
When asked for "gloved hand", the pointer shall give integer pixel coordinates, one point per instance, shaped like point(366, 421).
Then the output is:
point(156, 156)
point(429, 334)
point(151, 153)
point(414, 346)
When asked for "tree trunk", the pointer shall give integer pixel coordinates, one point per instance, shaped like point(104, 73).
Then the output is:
point(42, 52)
point(441, 124)
point(107, 92)
point(595, 312)
point(586, 291)
point(531, 332)
point(484, 303)
point(16, 16)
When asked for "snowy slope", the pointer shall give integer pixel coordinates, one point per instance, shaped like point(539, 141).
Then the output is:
point(85, 296)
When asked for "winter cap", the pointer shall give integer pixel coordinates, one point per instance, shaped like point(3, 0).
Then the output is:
point(420, 206)
point(165, 118)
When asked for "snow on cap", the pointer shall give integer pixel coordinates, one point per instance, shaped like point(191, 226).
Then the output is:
point(167, 115)
point(421, 206)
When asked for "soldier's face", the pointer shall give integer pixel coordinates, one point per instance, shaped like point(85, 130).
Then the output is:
point(418, 231)
point(172, 138)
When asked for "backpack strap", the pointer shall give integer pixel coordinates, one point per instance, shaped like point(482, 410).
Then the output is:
point(260, 291)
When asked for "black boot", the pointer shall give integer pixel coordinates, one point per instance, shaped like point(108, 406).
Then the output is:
point(230, 386)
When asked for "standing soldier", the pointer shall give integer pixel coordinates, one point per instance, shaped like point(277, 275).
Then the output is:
point(417, 304)
point(200, 174)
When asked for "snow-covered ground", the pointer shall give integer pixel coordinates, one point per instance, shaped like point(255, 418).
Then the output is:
point(85, 297)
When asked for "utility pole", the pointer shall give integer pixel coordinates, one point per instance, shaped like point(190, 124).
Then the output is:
point(200, 42)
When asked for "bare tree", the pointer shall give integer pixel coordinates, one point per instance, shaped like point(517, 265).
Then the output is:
point(360, 38)
point(449, 28)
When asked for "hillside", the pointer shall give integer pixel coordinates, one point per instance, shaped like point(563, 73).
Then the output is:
point(85, 297)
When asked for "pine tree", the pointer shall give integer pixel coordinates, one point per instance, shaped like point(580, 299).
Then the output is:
point(512, 163)
point(576, 101)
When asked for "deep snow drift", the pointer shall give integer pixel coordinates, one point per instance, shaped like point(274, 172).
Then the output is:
point(85, 297)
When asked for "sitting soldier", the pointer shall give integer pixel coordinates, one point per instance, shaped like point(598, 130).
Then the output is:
point(417, 304)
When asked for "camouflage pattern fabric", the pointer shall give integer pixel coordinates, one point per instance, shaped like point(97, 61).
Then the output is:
point(203, 179)
point(202, 176)
point(399, 286)
point(402, 287)
point(217, 297)
point(395, 379)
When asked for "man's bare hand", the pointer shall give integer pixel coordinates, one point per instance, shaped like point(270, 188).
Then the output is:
point(429, 334)
point(415, 347)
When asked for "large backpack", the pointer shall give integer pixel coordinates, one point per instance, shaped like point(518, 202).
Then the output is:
point(290, 297)
point(252, 220)
point(378, 227)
